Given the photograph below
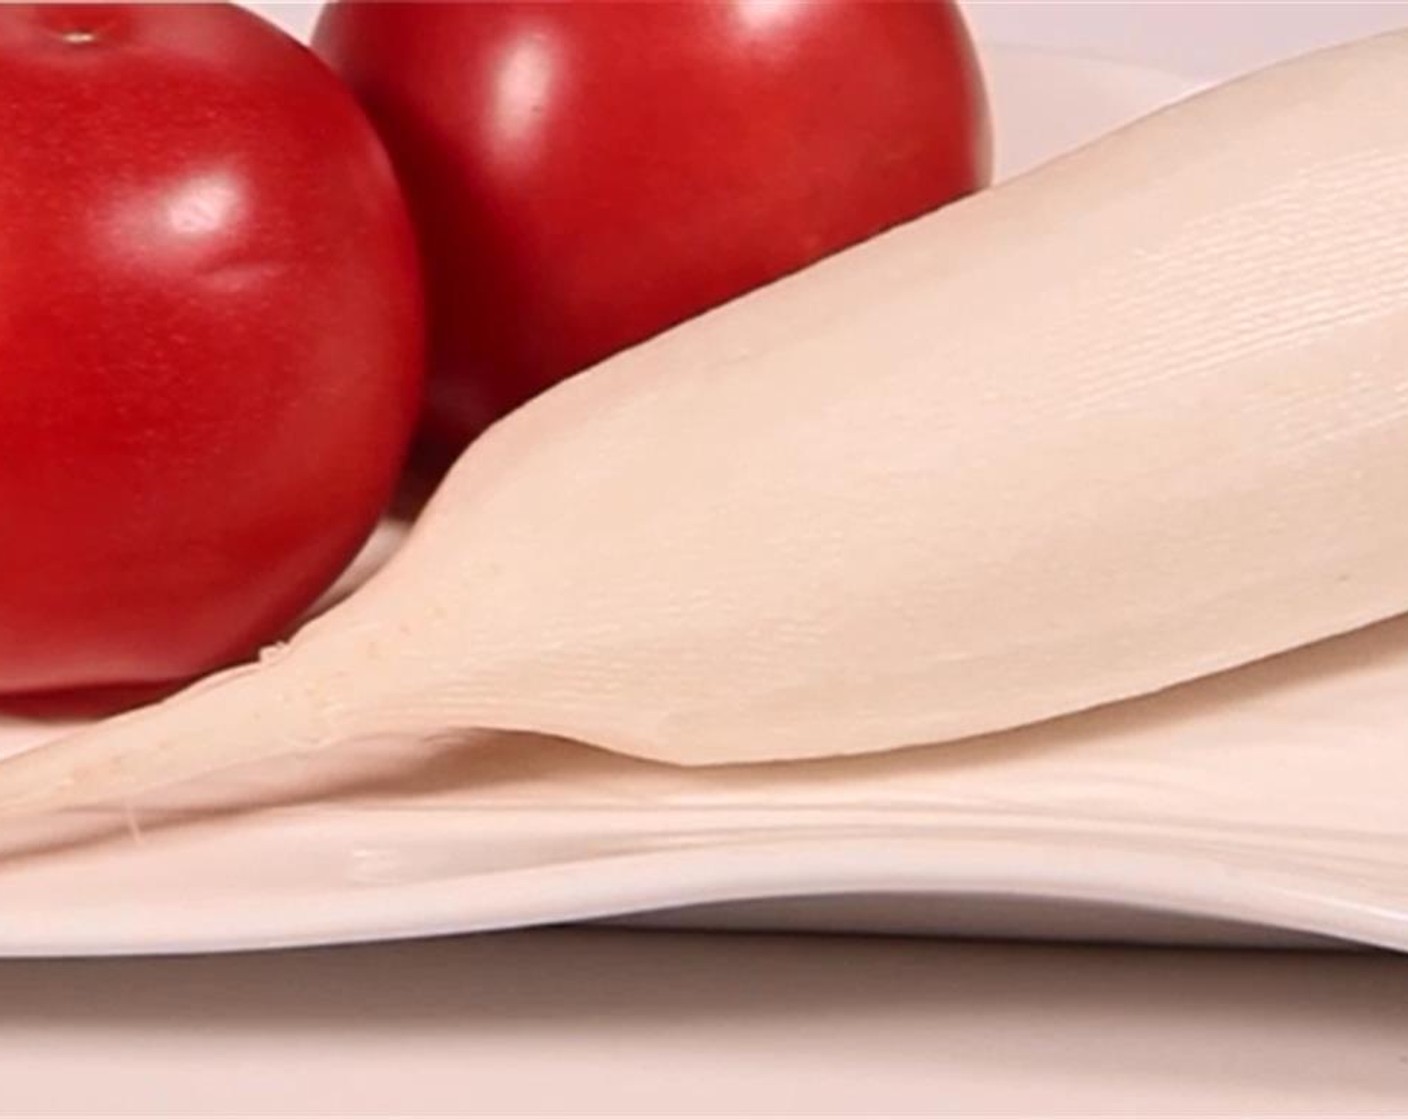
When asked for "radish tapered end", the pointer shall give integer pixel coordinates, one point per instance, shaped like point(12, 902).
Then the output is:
point(235, 718)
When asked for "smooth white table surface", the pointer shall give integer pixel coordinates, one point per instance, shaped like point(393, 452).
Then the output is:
point(612, 1023)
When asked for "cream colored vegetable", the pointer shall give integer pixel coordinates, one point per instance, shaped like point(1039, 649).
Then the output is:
point(1138, 417)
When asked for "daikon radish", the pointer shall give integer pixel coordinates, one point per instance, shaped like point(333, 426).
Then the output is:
point(1135, 418)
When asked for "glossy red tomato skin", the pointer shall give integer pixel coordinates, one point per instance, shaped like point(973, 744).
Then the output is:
point(588, 173)
point(211, 339)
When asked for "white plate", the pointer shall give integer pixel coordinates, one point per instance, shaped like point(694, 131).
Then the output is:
point(1006, 839)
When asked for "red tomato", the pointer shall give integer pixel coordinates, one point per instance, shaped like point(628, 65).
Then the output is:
point(210, 338)
point(586, 174)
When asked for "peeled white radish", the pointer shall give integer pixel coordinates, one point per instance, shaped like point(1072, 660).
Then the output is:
point(1135, 418)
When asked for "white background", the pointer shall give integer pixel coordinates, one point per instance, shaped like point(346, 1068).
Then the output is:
point(611, 1023)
